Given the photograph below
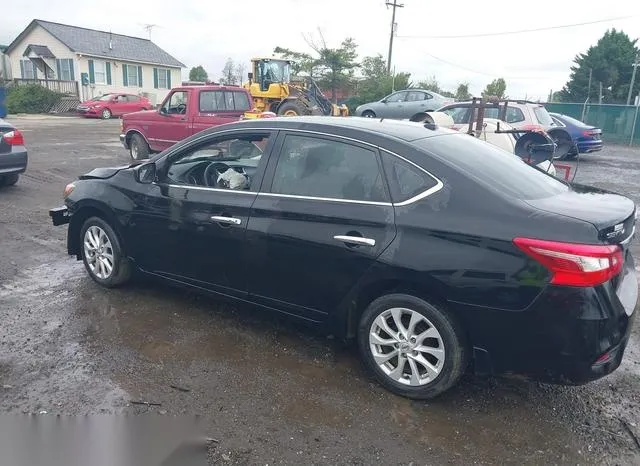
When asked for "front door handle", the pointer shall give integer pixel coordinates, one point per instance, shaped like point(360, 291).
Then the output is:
point(226, 220)
point(356, 240)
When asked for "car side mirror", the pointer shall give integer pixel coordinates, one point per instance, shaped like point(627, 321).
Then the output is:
point(163, 111)
point(145, 173)
point(250, 76)
point(384, 101)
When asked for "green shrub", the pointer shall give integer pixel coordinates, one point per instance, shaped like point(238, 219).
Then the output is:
point(31, 98)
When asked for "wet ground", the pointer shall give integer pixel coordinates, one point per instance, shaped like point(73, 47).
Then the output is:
point(270, 392)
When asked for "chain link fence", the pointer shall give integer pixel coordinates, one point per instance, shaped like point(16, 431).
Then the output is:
point(619, 123)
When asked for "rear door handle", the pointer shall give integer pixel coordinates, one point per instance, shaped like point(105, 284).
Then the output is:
point(356, 240)
point(226, 220)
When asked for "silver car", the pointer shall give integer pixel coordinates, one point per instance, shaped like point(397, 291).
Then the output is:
point(403, 104)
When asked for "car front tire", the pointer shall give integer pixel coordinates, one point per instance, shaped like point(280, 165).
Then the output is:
point(414, 349)
point(9, 180)
point(106, 114)
point(138, 148)
point(368, 114)
point(102, 254)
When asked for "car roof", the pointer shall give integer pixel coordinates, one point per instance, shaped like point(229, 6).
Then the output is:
point(399, 129)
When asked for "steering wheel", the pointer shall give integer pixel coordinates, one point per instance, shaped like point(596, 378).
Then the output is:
point(215, 168)
point(181, 108)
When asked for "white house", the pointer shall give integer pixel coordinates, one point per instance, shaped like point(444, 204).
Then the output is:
point(90, 63)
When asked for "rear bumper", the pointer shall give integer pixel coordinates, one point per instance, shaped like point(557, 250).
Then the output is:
point(585, 147)
point(568, 336)
point(14, 162)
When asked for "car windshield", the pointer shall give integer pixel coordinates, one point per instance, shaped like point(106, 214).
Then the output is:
point(491, 166)
point(543, 116)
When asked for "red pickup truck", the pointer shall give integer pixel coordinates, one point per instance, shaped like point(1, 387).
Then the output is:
point(185, 111)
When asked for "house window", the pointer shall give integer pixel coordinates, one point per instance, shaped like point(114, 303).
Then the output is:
point(65, 69)
point(132, 76)
point(99, 72)
point(163, 80)
point(28, 69)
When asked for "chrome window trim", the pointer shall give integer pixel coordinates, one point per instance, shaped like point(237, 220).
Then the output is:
point(439, 185)
point(325, 199)
point(206, 188)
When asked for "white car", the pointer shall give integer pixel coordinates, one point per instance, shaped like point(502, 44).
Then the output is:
point(506, 141)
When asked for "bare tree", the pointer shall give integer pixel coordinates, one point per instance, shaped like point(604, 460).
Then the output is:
point(228, 74)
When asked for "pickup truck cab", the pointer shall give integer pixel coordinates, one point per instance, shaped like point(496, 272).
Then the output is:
point(185, 111)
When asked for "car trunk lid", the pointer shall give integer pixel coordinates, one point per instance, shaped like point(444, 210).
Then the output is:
point(612, 214)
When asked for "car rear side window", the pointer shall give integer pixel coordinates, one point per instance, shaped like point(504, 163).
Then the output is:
point(221, 101)
point(318, 167)
point(493, 167)
point(405, 179)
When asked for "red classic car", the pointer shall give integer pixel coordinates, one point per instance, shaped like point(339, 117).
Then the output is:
point(108, 105)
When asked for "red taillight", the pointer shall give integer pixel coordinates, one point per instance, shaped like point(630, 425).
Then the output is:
point(574, 264)
point(589, 133)
point(13, 138)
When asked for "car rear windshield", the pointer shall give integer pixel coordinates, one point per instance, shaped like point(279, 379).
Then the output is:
point(493, 167)
point(574, 122)
point(543, 116)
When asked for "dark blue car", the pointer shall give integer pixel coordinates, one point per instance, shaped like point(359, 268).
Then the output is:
point(585, 138)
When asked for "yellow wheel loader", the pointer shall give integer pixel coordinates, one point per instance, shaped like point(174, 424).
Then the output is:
point(274, 90)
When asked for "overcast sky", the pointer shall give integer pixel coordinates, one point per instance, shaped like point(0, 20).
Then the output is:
point(207, 32)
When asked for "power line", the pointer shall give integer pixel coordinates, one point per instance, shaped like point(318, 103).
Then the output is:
point(521, 31)
point(493, 75)
point(395, 5)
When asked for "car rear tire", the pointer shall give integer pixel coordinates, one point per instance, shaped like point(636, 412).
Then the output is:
point(103, 255)
point(369, 114)
point(106, 114)
point(414, 349)
point(564, 143)
point(9, 180)
point(138, 148)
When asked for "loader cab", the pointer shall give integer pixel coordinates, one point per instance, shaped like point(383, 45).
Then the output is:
point(267, 71)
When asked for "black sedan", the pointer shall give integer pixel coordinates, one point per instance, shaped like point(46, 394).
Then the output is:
point(13, 154)
point(436, 251)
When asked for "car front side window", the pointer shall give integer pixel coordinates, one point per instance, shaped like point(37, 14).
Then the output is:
point(228, 162)
point(397, 97)
point(328, 169)
point(177, 103)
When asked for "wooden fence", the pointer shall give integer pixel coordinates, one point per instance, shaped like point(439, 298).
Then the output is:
point(69, 88)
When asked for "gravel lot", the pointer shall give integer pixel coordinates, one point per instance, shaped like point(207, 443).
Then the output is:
point(269, 391)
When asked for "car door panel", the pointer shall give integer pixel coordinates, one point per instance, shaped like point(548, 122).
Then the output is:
point(170, 127)
point(300, 262)
point(306, 253)
point(196, 234)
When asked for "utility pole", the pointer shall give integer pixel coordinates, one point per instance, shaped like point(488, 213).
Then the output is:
point(394, 5)
point(633, 79)
point(600, 95)
point(584, 107)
